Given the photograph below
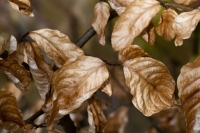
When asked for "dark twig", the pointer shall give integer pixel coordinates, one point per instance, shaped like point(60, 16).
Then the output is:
point(35, 116)
point(112, 63)
point(23, 37)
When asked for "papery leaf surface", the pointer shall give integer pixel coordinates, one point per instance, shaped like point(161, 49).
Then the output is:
point(185, 2)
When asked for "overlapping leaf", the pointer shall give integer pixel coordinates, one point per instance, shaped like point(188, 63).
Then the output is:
point(17, 74)
point(101, 15)
point(23, 6)
point(164, 27)
point(189, 89)
point(57, 46)
point(96, 117)
point(185, 2)
point(12, 45)
point(40, 70)
point(149, 81)
point(10, 116)
point(149, 35)
point(75, 83)
point(132, 22)
point(184, 24)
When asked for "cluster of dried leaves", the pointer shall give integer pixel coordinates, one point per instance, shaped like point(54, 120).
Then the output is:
point(78, 77)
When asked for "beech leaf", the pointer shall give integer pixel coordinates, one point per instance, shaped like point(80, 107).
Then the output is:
point(133, 21)
point(16, 73)
point(101, 15)
point(12, 45)
point(73, 84)
point(164, 27)
point(184, 24)
point(149, 35)
point(10, 116)
point(57, 46)
point(149, 81)
point(188, 85)
point(22, 6)
point(185, 2)
point(40, 70)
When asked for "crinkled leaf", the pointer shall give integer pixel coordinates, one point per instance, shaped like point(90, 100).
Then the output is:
point(184, 24)
point(119, 5)
point(40, 70)
point(73, 84)
point(10, 116)
point(117, 121)
point(185, 2)
point(101, 15)
point(22, 6)
point(189, 88)
point(96, 118)
point(164, 27)
point(149, 81)
point(149, 35)
point(56, 45)
point(132, 22)
point(17, 74)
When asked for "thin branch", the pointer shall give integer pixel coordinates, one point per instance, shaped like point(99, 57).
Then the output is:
point(35, 116)
point(112, 63)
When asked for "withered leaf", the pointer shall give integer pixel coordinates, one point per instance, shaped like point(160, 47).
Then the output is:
point(16, 73)
point(164, 27)
point(184, 24)
point(117, 121)
point(149, 81)
point(132, 22)
point(12, 45)
point(185, 2)
point(73, 84)
point(148, 34)
point(57, 46)
point(101, 15)
point(22, 6)
point(41, 71)
point(96, 118)
point(188, 85)
point(10, 116)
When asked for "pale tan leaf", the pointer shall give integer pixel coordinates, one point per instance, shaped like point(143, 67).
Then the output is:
point(164, 27)
point(185, 2)
point(41, 71)
point(149, 81)
point(12, 45)
point(22, 6)
point(16, 73)
point(106, 88)
point(117, 121)
point(101, 15)
point(188, 85)
point(10, 116)
point(75, 83)
point(119, 5)
point(149, 35)
point(96, 118)
point(133, 21)
point(184, 24)
point(57, 46)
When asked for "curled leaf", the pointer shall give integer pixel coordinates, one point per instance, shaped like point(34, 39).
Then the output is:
point(16, 73)
point(73, 84)
point(164, 27)
point(22, 6)
point(184, 24)
point(149, 35)
point(132, 22)
point(149, 81)
point(185, 2)
point(40, 70)
point(10, 116)
point(101, 15)
point(188, 85)
point(57, 46)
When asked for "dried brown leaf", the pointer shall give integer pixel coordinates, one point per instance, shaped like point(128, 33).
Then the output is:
point(184, 24)
point(185, 2)
point(16, 73)
point(149, 81)
point(96, 118)
point(101, 15)
point(57, 46)
point(41, 71)
point(75, 83)
point(188, 85)
point(164, 27)
point(149, 35)
point(132, 22)
point(117, 121)
point(10, 116)
point(22, 6)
